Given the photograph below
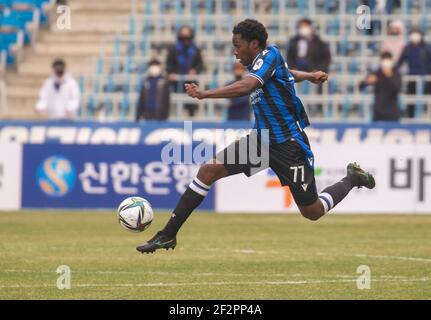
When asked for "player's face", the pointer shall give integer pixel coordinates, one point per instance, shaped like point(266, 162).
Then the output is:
point(243, 50)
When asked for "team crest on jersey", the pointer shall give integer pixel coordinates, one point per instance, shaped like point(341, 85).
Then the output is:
point(258, 65)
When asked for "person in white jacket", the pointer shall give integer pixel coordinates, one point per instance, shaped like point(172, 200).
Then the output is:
point(60, 94)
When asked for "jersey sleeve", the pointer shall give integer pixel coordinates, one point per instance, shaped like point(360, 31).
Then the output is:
point(264, 67)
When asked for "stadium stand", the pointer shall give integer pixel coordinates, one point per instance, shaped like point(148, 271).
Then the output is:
point(91, 22)
point(111, 43)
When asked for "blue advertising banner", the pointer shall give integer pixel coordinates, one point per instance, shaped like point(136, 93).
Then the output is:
point(61, 176)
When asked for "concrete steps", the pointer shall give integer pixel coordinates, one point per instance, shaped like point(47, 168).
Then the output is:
point(23, 92)
point(101, 23)
point(14, 79)
point(21, 106)
point(40, 65)
point(69, 35)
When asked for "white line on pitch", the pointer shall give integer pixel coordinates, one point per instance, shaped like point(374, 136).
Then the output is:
point(220, 283)
point(250, 251)
point(393, 257)
point(206, 274)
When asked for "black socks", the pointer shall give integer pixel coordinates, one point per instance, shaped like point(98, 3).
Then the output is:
point(333, 195)
point(189, 201)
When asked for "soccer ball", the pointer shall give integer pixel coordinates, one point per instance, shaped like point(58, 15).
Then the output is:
point(135, 214)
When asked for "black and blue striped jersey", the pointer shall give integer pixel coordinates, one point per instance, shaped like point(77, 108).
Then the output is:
point(275, 104)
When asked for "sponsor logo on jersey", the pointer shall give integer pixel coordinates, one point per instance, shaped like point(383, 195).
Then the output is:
point(258, 65)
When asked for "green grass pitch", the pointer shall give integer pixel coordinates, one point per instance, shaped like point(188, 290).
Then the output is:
point(217, 257)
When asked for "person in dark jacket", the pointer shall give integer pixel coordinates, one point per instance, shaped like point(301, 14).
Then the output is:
point(239, 108)
point(153, 103)
point(387, 86)
point(184, 58)
point(307, 52)
point(417, 55)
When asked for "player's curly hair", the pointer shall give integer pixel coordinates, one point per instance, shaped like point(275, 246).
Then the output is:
point(252, 30)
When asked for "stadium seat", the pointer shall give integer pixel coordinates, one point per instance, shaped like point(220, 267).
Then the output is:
point(333, 28)
point(5, 3)
point(131, 48)
point(96, 83)
point(3, 12)
point(132, 25)
point(333, 86)
point(128, 66)
point(353, 67)
point(163, 5)
point(139, 84)
point(346, 108)
point(143, 46)
point(209, 6)
point(36, 4)
point(11, 42)
point(109, 87)
point(108, 106)
point(148, 7)
point(124, 108)
point(20, 19)
point(420, 103)
point(91, 107)
point(328, 112)
point(100, 66)
point(424, 23)
point(352, 5)
point(302, 6)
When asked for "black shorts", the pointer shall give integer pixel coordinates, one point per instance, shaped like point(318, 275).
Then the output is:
point(292, 161)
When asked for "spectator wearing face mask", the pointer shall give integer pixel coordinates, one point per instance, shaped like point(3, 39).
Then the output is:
point(417, 55)
point(60, 94)
point(387, 86)
point(307, 52)
point(153, 103)
point(184, 58)
point(239, 108)
point(395, 42)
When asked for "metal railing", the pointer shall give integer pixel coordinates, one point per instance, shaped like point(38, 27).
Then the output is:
point(338, 107)
point(338, 82)
point(342, 29)
point(251, 7)
point(116, 97)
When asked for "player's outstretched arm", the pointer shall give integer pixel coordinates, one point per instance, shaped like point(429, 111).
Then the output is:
point(316, 77)
point(238, 89)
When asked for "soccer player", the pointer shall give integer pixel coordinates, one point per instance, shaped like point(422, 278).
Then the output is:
point(280, 113)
